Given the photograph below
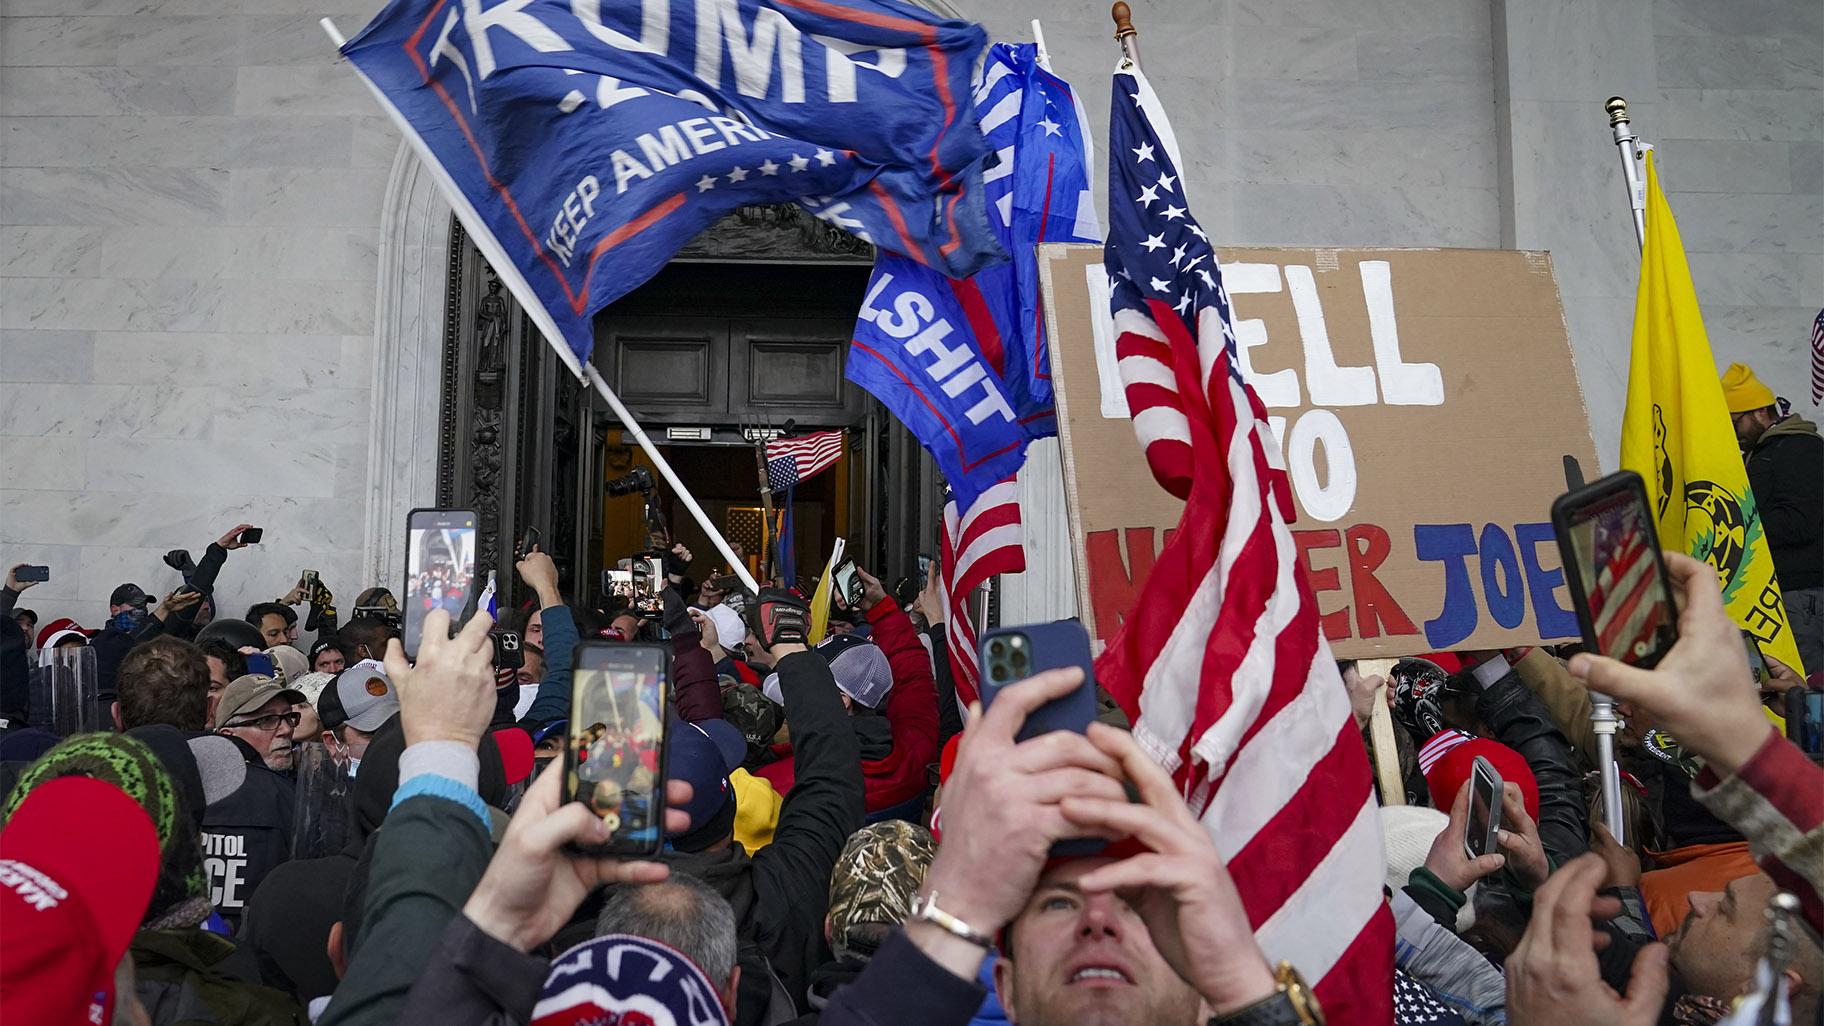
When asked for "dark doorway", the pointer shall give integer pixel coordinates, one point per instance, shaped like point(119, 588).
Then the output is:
point(748, 329)
point(705, 350)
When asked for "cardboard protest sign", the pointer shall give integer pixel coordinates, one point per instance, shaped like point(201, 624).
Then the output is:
point(1425, 401)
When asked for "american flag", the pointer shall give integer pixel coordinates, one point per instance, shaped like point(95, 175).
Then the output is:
point(1622, 596)
point(975, 545)
point(1817, 360)
point(791, 460)
point(1221, 666)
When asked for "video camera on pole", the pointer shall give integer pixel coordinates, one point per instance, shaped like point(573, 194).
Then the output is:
point(641, 577)
point(639, 479)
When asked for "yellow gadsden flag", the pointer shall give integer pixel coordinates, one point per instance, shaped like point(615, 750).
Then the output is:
point(1677, 435)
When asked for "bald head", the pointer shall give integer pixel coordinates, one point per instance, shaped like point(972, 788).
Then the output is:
point(683, 912)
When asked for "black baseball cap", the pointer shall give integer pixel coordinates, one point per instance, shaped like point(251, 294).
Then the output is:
point(129, 595)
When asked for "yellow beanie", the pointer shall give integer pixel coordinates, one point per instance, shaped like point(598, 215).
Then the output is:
point(756, 810)
point(1743, 391)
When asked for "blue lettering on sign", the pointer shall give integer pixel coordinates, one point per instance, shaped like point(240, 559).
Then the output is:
point(1553, 620)
point(1508, 573)
point(1451, 544)
point(1506, 604)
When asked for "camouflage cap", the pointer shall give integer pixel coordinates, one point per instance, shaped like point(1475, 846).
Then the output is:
point(876, 876)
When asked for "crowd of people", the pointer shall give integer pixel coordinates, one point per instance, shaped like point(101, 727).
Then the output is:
point(264, 830)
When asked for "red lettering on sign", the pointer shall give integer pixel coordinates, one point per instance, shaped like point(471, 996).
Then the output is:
point(1114, 582)
point(1374, 606)
point(1336, 625)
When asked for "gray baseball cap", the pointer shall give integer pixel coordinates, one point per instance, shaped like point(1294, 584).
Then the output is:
point(362, 696)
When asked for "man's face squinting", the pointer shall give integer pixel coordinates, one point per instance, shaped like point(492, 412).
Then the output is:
point(1087, 960)
point(1717, 945)
point(274, 742)
point(330, 660)
point(273, 630)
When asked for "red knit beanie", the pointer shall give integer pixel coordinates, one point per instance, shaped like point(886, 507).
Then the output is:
point(1447, 759)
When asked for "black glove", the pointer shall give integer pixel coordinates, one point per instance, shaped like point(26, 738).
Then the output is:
point(677, 615)
point(778, 617)
point(675, 565)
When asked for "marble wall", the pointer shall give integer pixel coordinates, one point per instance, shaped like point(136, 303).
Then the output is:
point(190, 195)
point(191, 198)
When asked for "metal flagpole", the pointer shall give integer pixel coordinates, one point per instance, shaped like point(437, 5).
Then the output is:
point(1629, 145)
point(1125, 34)
point(1603, 721)
point(516, 283)
point(761, 434)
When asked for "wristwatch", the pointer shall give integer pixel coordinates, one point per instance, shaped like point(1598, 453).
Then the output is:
point(925, 910)
point(1292, 1005)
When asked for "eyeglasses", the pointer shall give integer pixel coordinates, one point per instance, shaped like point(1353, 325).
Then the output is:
point(269, 723)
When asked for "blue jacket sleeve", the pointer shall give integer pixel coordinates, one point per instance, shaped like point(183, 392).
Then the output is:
point(553, 699)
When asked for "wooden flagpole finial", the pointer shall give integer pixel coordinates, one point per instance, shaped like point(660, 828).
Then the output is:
point(1124, 20)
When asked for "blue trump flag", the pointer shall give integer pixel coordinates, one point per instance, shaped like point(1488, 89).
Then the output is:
point(962, 362)
point(583, 143)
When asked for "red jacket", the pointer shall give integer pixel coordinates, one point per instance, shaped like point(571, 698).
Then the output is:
point(911, 713)
point(1776, 800)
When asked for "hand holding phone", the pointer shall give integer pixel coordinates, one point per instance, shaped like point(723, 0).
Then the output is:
point(252, 535)
point(439, 570)
point(1012, 654)
point(1482, 832)
point(845, 585)
point(448, 694)
point(535, 881)
point(1699, 693)
point(986, 881)
point(1616, 572)
point(1449, 859)
point(233, 540)
point(614, 755)
point(25, 575)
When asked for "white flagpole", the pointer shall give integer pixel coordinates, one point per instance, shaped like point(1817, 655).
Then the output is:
point(528, 299)
point(1038, 36)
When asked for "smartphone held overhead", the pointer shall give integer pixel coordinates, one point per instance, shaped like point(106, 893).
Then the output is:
point(1617, 576)
point(1010, 655)
point(614, 754)
point(439, 571)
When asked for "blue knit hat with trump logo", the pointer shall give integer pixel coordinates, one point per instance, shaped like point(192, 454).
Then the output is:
point(620, 978)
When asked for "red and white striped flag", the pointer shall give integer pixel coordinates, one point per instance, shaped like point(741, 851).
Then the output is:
point(791, 460)
point(1817, 360)
point(975, 545)
point(1221, 665)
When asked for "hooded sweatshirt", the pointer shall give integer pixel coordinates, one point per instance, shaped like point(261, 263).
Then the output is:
point(1786, 471)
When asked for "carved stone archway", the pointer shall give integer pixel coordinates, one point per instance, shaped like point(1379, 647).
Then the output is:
point(412, 311)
